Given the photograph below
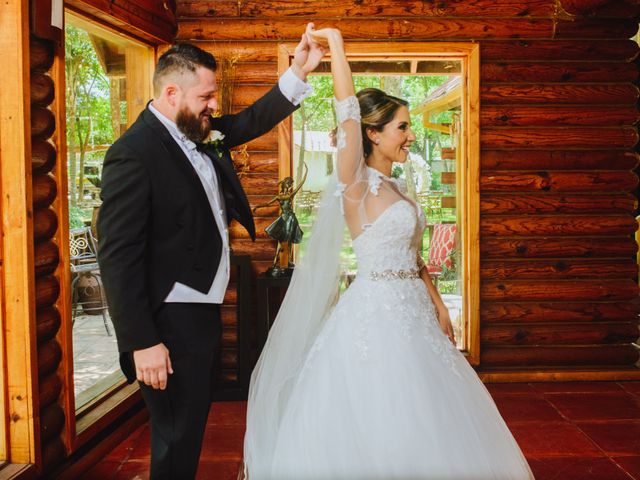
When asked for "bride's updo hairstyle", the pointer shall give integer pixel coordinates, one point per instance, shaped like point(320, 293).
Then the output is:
point(376, 110)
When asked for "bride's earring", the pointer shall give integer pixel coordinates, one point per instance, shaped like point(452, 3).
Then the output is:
point(377, 141)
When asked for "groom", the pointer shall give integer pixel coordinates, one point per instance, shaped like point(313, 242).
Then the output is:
point(164, 243)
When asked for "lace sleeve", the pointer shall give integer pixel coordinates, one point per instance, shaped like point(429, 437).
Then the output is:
point(349, 139)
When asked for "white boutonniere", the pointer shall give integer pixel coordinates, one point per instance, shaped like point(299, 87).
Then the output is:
point(215, 139)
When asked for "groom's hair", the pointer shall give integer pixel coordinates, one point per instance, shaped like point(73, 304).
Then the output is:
point(181, 58)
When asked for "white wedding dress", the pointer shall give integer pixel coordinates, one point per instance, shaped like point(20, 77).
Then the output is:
point(381, 392)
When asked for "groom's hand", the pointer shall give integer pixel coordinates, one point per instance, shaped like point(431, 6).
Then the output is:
point(307, 55)
point(153, 366)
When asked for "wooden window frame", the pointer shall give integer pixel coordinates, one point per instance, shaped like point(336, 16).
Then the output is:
point(469, 170)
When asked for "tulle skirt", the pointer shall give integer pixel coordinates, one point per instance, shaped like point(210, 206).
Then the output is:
point(384, 395)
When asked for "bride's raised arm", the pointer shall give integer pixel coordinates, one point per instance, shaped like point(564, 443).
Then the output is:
point(349, 136)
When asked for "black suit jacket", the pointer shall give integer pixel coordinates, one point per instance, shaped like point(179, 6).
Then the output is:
point(155, 225)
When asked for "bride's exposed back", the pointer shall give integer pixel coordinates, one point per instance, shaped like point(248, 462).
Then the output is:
point(370, 385)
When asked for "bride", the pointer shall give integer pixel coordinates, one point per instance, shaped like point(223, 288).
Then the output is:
point(370, 386)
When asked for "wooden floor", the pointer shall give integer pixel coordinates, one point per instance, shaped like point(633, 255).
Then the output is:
point(567, 431)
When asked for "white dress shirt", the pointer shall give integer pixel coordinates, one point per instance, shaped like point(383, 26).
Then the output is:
point(294, 90)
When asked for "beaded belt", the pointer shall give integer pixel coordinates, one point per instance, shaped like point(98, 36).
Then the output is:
point(389, 274)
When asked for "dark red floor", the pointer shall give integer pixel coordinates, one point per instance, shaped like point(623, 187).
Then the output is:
point(567, 431)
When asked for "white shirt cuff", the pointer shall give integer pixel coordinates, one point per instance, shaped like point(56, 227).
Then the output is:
point(294, 89)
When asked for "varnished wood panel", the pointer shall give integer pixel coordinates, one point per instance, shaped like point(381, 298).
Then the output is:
point(561, 73)
point(576, 181)
point(559, 356)
point(562, 247)
point(557, 334)
point(361, 8)
point(548, 203)
point(558, 115)
point(414, 29)
point(578, 225)
point(558, 268)
point(558, 159)
point(558, 312)
point(559, 290)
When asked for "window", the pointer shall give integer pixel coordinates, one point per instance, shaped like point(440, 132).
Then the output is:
point(108, 81)
point(440, 81)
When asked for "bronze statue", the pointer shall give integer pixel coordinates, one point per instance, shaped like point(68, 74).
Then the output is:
point(285, 229)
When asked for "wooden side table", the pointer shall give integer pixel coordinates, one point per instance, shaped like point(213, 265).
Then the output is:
point(268, 304)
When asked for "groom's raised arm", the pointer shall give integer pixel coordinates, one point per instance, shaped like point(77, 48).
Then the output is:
point(273, 107)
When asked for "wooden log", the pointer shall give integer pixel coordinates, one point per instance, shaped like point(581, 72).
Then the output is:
point(414, 28)
point(576, 181)
point(231, 294)
point(43, 122)
point(561, 137)
point(260, 183)
point(569, 225)
point(47, 291)
point(490, 51)
point(559, 50)
point(558, 116)
point(46, 258)
point(237, 231)
point(49, 356)
point(573, 334)
point(229, 338)
point(557, 160)
point(243, 51)
point(566, 247)
point(45, 224)
point(361, 8)
point(518, 269)
point(47, 323)
point(606, 355)
point(45, 190)
point(271, 211)
point(51, 422)
point(553, 72)
point(256, 73)
point(596, 28)
point(617, 9)
point(49, 389)
point(230, 376)
point(263, 250)
point(53, 453)
point(559, 290)
point(43, 156)
point(609, 94)
point(550, 312)
point(267, 142)
point(245, 95)
point(260, 162)
point(41, 54)
point(229, 358)
point(228, 315)
point(42, 89)
point(551, 203)
point(582, 7)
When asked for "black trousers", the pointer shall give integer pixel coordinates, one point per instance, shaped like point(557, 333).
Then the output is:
point(178, 414)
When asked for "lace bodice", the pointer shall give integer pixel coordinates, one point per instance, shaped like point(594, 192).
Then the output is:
point(392, 241)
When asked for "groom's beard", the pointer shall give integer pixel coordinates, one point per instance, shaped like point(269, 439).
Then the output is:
point(195, 127)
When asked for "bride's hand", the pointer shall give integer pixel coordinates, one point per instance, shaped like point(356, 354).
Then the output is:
point(325, 36)
point(445, 324)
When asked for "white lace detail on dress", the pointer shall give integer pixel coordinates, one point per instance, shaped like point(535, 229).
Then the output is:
point(346, 109)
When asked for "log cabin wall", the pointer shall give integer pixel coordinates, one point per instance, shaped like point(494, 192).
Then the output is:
point(558, 109)
point(48, 272)
point(40, 409)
